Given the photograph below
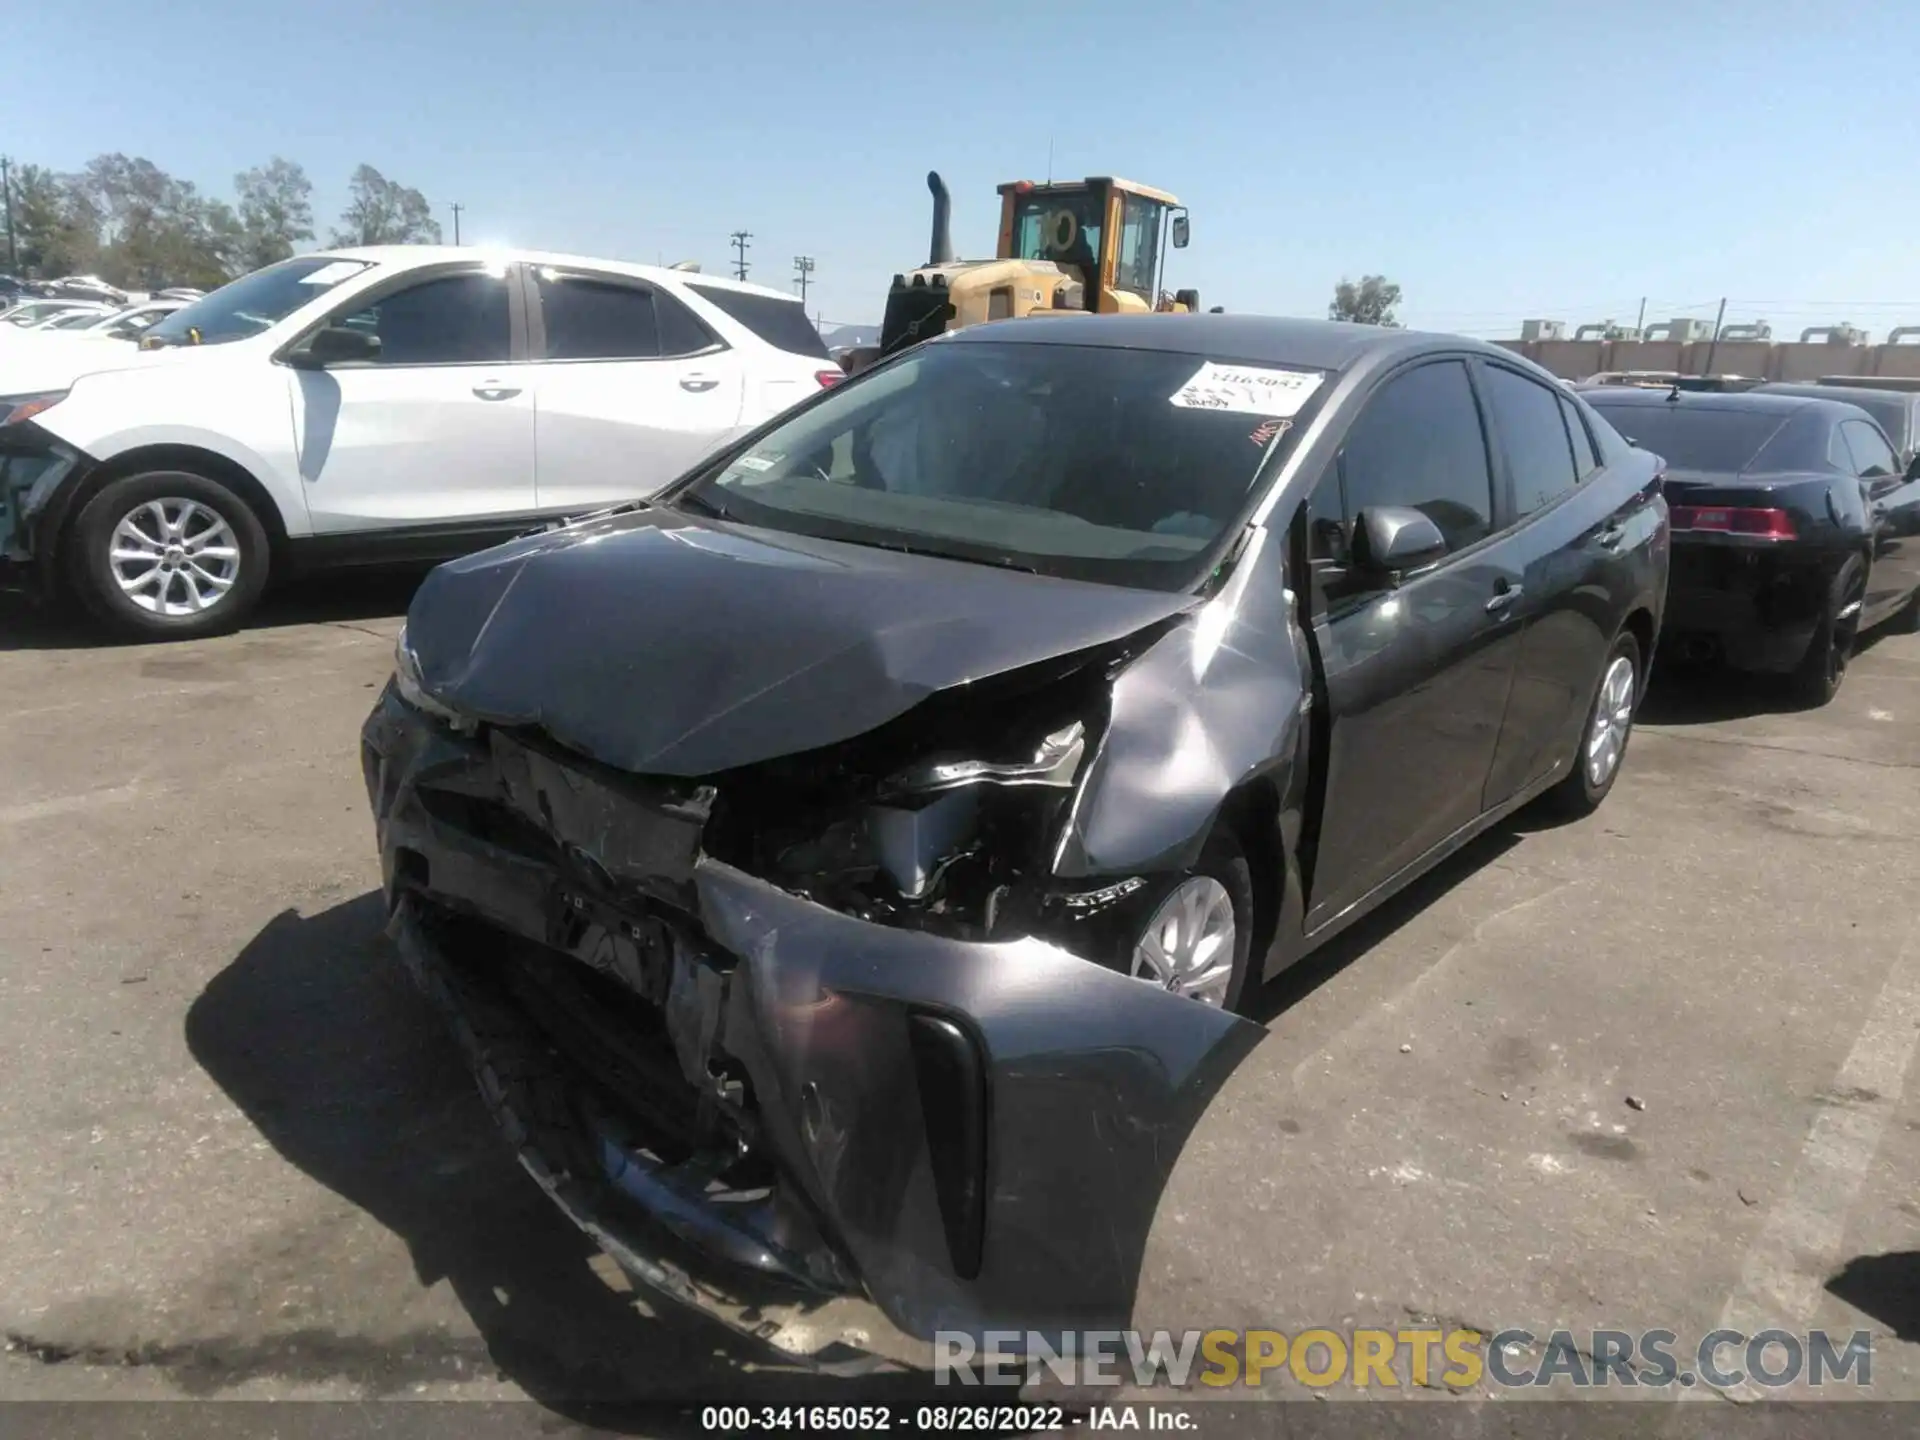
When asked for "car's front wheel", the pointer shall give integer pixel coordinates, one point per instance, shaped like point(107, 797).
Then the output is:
point(1196, 941)
point(1603, 739)
point(169, 555)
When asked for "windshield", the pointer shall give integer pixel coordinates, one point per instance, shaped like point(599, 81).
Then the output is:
point(78, 320)
point(253, 303)
point(1694, 437)
point(1120, 466)
point(1063, 226)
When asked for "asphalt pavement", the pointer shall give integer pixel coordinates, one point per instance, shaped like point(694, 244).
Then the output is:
point(1650, 1070)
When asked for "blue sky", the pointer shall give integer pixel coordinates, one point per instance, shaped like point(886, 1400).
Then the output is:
point(1498, 159)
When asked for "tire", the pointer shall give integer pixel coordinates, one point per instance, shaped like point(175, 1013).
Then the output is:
point(1223, 863)
point(1824, 669)
point(1580, 791)
point(199, 533)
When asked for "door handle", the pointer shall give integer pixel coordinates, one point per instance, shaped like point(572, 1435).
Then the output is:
point(496, 392)
point(698, 384)
point(1503, 597)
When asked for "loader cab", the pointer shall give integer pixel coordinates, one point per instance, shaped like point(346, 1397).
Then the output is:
point(1114, 232)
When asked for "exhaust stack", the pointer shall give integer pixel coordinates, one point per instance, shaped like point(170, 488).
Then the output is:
point(940, 249)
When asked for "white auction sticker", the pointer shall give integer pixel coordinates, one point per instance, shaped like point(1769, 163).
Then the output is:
point(756, 463)
point(1247, 389)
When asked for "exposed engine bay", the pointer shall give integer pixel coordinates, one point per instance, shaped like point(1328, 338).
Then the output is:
point(946, 819)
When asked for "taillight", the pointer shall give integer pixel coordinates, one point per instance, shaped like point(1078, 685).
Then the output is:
point(1763, 524)
point(829, 378)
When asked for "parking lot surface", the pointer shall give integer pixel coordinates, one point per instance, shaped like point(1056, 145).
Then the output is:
point(1651, 1070)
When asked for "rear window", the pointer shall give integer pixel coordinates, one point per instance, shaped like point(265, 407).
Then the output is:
point(1694, 437)
point(783, 324)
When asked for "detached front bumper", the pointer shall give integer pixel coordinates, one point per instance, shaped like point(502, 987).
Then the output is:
point(34, 469)
point(782, 1115)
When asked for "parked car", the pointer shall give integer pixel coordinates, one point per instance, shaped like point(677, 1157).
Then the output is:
point(1795, 527)
point(844, 869)
point(29, 313)
point(128, 324)
point(73, 319)
point(86, 287)
point(1897, 412)
point(393, 403)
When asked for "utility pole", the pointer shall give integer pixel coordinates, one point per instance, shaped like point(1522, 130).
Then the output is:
point(802, 269)
point(6, 190)
point(740, 239)
point(1714, 344)
point(456, 223)
point(1640, 325)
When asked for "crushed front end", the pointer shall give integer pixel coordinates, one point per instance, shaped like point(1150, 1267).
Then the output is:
point(33, 468)
point(805, 1040)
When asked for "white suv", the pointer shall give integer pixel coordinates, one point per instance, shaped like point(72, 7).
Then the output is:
point(396, 403)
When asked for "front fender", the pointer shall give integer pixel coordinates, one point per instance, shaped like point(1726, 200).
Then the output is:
point(1218, 701)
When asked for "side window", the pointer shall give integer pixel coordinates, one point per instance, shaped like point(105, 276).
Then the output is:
point(681, 331)
point(1840, 454)
point(595, 320)
point(1585, 459)
point(1419, 444)
point(1870, 450)
point(1533, 431)
point(455, 320)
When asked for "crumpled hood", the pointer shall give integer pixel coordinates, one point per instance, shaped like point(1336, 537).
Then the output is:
point(663, 644)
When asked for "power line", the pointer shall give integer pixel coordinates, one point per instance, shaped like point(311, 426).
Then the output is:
point(740, 239)
point(803, 270)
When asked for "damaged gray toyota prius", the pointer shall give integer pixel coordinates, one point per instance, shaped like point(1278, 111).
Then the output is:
point(845, 869)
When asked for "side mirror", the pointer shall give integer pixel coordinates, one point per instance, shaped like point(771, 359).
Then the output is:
point(1393, 539)
point(1180, 231)
point(1913, 468)
point(335, 345)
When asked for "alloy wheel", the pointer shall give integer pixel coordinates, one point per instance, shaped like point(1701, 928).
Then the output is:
point(174, 557)
point(1612, 719)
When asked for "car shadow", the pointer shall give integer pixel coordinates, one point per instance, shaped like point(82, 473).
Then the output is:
point(1707, 694)
point(315, 1034)
point(307, 600)
point(1307, 975)
point(1886, 1287)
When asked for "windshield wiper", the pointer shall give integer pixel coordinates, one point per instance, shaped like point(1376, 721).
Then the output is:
point(693, 500)
point(999, 562)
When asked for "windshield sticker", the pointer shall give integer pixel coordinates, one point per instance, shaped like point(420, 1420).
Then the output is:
point(1247, 390)
point(333, 274)
point(1265, 432)
point(757, 463)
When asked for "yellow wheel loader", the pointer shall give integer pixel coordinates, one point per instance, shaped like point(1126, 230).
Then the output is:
point(1096, 245)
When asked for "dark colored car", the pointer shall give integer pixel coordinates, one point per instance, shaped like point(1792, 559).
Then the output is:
point(822, 863)
point(1795, 527)
point(1897, 412)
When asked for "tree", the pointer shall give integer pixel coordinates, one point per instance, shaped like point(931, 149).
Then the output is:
point(1370, 302)
point(155, 230)
point(276, 211)
point(55, 227)
point(381, 212)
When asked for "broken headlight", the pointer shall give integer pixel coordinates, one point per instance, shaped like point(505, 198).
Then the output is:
point(1055, 764)
point(406, 680)
point(15, 409)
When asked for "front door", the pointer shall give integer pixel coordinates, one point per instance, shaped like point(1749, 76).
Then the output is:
point(632, 389)
point(1417, 674)
point(1893, 510)
point(436, 429)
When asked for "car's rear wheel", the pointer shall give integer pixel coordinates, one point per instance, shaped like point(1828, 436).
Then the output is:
point(1604, 736)
point(1823, 670)
point(1197, 940)
point(168, 554)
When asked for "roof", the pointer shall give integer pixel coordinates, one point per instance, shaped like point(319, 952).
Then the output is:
point(1261, 339)
point(1754, 401)
point(443, 254)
